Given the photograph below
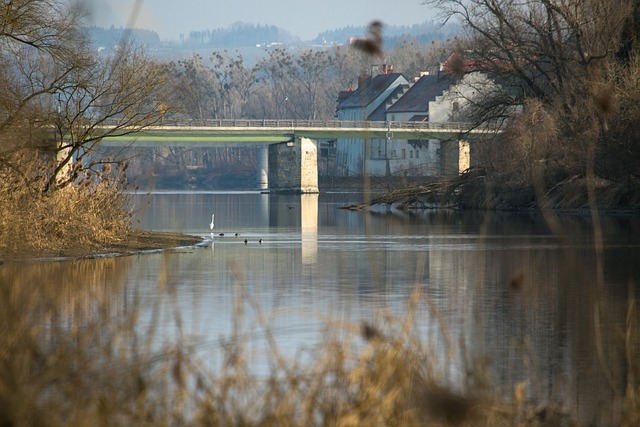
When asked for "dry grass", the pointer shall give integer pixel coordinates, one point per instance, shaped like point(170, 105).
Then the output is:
point(35, 223)
point(74, 356)
point(71, 355)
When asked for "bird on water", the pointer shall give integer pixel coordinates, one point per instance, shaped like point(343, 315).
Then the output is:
point(211, 225)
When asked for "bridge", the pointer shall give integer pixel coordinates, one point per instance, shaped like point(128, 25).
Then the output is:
point(287, 149)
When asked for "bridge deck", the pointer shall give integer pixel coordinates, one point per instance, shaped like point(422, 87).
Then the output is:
point(250, 132)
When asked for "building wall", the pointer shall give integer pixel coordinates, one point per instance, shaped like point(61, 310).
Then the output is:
point(452, 103)
point(390, 157)
point(349, 157)
point(456, 156)
point(351, 153)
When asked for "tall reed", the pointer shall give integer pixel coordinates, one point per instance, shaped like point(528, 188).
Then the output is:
point(86, 215)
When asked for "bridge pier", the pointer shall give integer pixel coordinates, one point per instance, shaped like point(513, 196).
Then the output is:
point(455, 157)
point(262, 163)
point(293, 166)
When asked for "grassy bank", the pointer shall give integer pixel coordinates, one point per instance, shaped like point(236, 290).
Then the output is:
point(90, 218)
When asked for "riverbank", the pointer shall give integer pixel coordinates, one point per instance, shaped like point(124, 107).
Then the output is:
point(136, 241)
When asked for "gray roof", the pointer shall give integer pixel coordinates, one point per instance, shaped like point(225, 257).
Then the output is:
point(380, 112)
point(368, 91)
point(417, 98)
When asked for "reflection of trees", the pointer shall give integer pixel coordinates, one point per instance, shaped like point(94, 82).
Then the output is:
point(540, 317)
point(57, 294)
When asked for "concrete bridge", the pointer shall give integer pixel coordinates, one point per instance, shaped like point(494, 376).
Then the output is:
point(287, 149)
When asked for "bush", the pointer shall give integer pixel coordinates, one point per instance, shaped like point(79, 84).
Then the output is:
point(32, 221)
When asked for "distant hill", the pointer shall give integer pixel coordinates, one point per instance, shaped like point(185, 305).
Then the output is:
point(240, 35)
point(107, 38)
point(424, 32)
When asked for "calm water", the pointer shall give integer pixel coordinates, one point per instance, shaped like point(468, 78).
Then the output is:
point(526, 303)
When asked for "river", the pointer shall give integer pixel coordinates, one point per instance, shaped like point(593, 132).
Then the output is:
point(499, 289)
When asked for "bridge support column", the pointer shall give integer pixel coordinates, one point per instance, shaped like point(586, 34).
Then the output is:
point(293, 166)
point(455, 157)
point(262, 164)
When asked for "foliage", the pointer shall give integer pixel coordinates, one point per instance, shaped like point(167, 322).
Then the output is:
point(59, 98)
point(563, 67)
point(36, 223)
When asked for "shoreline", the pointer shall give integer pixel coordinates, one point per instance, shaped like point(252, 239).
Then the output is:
point(137, 242)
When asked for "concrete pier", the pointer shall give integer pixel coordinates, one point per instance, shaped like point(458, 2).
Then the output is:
point(262, 165)
point(293, 166)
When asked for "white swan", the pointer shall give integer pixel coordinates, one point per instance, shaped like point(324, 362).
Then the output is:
point(211, 225)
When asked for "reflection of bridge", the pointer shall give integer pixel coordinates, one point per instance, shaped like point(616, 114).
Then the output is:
point(287, 149)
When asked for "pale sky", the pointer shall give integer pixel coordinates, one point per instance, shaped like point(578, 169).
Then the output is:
point(302, 18)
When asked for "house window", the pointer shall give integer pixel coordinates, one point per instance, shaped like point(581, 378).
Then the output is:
point(417, 154)
point(404, 153)
point(411, 154)
point(393, 153)
point(455, 107)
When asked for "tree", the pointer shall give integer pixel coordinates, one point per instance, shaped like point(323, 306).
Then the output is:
point(197, 94)
point(236, 81)
point(276, 73)
point(564, 55)
point(413, 57)
point(550, 46)
point(60, 97)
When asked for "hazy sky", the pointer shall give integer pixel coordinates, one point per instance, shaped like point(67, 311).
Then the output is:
point(302, 18)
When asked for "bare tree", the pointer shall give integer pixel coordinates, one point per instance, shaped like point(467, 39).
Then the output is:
point(117, 95)
point(197, 94)
point(276, 73)
point(236, 81)
point(549, 48)
point(565, 55)
point(59, 96)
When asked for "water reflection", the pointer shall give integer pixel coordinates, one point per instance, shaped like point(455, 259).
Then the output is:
point(498, 291)
point(525, 302)
point(309, 228)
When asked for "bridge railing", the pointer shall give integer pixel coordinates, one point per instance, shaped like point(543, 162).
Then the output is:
point(296, 124)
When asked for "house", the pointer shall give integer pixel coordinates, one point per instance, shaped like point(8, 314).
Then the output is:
point(390, 98)
point(367, 102)
point(416, 157)
point(441, 97)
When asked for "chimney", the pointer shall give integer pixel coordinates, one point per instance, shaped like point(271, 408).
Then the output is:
point(344, 94)
point(362, 79)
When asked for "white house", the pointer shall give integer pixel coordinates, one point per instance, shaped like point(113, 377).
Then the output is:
point(367, 101)
point(436, 98)
point(416, 157)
